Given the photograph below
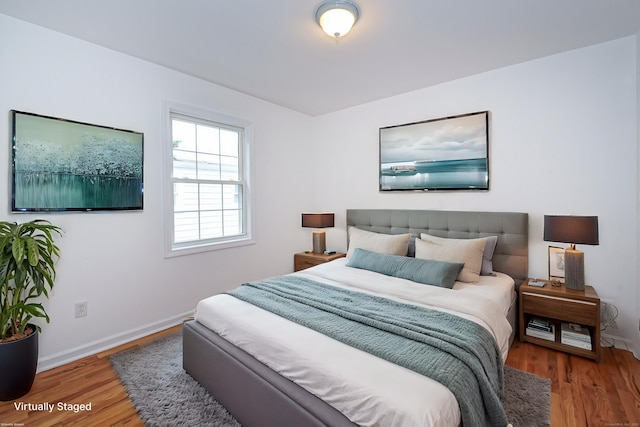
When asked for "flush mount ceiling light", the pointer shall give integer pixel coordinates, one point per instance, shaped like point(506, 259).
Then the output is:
point(336, 17)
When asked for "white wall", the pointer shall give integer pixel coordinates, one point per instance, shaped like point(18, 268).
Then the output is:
point(637, 347)
point(115, 261)
point(563, 140)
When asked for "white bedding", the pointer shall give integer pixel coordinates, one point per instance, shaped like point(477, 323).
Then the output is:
point(368, 390)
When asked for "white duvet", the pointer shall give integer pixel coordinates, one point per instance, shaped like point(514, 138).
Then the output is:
point(368, 390)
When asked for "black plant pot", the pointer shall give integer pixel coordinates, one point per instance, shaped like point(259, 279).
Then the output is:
point(18, 364)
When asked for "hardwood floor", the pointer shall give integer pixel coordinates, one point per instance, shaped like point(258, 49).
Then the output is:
point(88, 380)
point(584, 393)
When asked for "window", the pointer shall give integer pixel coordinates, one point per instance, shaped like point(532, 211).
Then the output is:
point(208, 184)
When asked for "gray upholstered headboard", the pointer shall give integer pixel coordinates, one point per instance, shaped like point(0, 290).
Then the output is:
point(512, 229)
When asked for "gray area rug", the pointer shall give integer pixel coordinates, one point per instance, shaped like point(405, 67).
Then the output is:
point(166, 396)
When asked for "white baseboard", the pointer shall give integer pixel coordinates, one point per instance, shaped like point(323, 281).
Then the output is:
point(89, 349)
point(634, 347)
point(610, 340)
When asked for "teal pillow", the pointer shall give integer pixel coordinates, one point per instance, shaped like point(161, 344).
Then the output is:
point(426, 271)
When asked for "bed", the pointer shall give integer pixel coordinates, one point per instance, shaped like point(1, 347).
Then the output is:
point(275, 380)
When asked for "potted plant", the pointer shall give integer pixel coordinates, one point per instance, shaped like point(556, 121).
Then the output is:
point(27, 272)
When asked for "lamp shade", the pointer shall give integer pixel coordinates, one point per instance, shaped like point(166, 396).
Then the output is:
point(571, 229)
point(318, 220)
point(336, 17)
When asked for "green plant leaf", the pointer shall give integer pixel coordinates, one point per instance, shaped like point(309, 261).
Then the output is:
point(22, 284)
point(32, 250)
point(17, 249)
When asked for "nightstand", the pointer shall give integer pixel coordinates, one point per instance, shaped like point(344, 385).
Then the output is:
point(558, 305)
point(309, 259)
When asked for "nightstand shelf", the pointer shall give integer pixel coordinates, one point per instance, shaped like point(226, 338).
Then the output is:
point(558, 305)
point(309, 259)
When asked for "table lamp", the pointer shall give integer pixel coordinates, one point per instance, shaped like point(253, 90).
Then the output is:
point(318, 220)
point(573, 230)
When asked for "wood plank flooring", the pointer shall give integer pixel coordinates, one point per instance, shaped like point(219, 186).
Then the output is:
point(584, 393)
point(88, 380)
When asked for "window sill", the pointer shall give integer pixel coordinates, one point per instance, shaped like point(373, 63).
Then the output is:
point(196, 248)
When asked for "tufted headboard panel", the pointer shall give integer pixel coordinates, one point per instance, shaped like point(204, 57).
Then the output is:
point(512, 229)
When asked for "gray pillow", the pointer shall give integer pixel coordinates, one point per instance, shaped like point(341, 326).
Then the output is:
point(426, 271)
point(487, 256)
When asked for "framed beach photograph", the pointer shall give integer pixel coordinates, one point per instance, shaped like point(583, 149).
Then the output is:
point(556, 264)
point(450, 153)
point(63, 165)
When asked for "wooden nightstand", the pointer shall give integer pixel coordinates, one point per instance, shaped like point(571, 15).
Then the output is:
point(309, 259)
point(561, 305)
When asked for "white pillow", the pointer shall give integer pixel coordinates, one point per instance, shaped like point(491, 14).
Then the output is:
point(392, 244)
point(468, 251)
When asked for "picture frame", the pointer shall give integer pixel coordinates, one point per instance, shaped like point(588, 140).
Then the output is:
point(65, 165)
point(444, 154)
point(556, 264)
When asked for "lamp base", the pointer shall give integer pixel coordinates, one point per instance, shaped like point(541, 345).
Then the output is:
point(574, 269)
point(319, 242)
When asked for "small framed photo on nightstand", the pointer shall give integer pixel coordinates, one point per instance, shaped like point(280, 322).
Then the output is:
point(556, 264)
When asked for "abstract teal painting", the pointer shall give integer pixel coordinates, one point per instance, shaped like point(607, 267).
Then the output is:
point(63, 165)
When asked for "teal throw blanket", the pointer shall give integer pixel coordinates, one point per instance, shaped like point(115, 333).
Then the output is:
point(454, 351)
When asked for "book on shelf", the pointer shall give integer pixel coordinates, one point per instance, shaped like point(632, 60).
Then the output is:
point(576, 332)
point(576, 343)
point(540, 324)
point(575, 335)
point(545, 335)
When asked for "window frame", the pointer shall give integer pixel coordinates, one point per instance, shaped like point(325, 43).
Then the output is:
point(197, 115)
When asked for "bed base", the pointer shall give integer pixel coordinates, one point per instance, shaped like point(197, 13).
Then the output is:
point(253, 393)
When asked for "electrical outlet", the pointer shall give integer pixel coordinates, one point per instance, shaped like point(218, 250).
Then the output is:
point(81, 309)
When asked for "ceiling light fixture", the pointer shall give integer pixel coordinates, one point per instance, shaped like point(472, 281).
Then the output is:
point(336, 17)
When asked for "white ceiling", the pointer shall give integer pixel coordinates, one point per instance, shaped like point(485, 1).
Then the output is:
point(274, 50)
